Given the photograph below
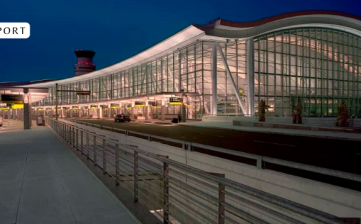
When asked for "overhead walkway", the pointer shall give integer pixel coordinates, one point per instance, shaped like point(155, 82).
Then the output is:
point(42, 181)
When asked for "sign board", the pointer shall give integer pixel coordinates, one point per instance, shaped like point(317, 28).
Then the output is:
point(7, 98)
point(17, 106)
point(175, 101)
point(75, 107)
point(114, 105)
point(40, 109)
point(104, 106)
point(139, 104)
point(93, 106)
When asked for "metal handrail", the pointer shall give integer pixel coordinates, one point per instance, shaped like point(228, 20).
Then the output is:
point(260, 159)
point(187, 170)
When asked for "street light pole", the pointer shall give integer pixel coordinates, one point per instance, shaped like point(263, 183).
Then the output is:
point(56, 101)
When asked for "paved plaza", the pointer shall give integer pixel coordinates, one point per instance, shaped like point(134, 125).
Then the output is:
point(42, 181)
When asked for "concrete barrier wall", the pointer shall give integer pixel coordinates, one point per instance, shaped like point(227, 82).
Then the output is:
point(324, 197)
point(314, 121)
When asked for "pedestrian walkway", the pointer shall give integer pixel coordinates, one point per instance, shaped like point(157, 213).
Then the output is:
point(42, 181)
point(228, 125)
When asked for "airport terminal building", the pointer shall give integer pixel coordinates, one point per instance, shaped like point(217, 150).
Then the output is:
point(226, 68)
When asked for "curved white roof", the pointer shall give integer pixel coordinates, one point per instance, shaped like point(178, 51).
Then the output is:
point(179, 39)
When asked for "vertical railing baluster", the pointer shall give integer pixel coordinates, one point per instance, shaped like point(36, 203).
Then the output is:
point(104, 156)
point(95, 150)
point(81, 142)
point(117, 173)
point(77, 139)
point(136, 175)
point(221, 199)
point(73, 136)
point(221, 202)
point(87, 145)
point(166, 192)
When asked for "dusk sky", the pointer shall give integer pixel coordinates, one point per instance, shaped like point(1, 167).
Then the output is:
point(117, 30)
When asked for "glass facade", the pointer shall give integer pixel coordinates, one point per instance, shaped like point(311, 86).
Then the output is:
point(188, 70)
point(317, 66)
point(320, 67)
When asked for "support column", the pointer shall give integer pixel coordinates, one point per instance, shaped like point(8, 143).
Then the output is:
point(27, 109)
point(183, 113)
point(250, 76)
point(214, 80)
point(70, 112)
point(100, 115)
point(132, 113)
point(146, 111)
point(109, 111)
point(162, 113)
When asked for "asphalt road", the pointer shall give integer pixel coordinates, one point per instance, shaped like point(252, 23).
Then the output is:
point(344, 155)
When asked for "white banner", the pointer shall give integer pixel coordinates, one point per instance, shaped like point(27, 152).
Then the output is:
point(14, 30)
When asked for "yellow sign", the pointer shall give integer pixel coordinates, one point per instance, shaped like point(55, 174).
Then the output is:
point(4, 108)
point(17, 106)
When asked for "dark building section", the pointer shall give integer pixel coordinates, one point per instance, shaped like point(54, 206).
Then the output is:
point(85, 62)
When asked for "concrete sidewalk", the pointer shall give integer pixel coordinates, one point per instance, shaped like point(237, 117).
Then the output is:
point(42, 181)
point(228, 125)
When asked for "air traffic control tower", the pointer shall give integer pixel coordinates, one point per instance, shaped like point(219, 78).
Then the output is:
point(85, 62)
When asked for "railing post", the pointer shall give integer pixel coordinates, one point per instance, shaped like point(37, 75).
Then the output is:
point(94, 150)
point(117, 173)
point(87, 145)
point(221, 199)
point(73, 136)
point(136, 173)
point(81, 142)
point(166, 192)
point(77, 139)
point(66, 133)
point(104, 156)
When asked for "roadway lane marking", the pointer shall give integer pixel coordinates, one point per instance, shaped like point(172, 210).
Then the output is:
point(273, 143)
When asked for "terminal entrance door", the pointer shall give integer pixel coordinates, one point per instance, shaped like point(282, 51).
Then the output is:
point(155, 109)
point(193, 108)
